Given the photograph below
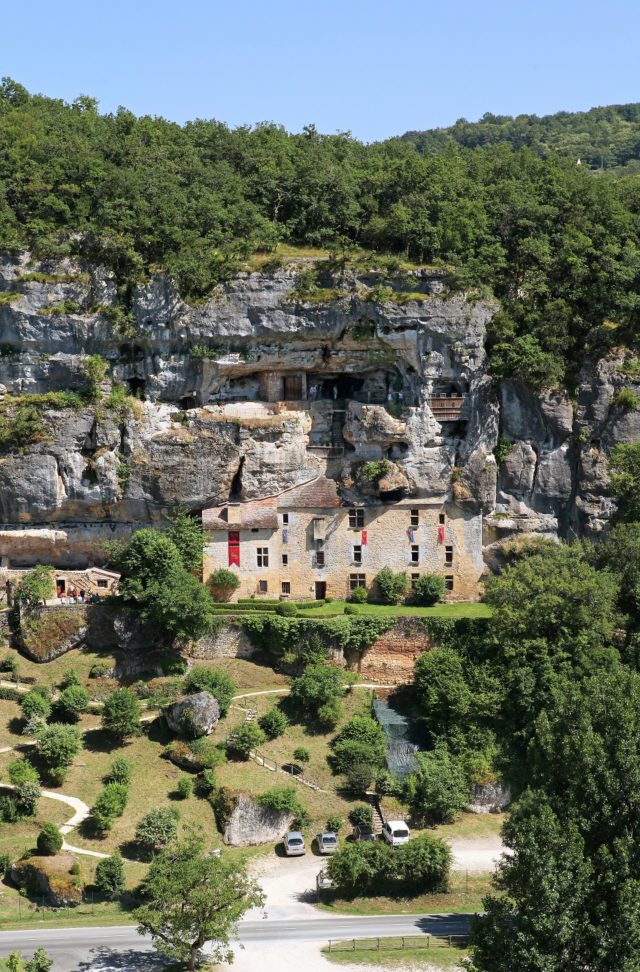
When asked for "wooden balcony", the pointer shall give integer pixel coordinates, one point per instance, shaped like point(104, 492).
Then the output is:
point(449, 408)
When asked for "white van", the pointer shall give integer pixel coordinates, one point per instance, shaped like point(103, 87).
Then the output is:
point(395, 832)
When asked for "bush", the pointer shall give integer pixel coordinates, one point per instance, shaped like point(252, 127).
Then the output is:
point(27, 783)
point(351, 609)
point(208, 679)
point(361, 816)
point(352, 752)
point(71, 703)
point(157, 829)
point(438, 790)
point(245, 738)
point(428, 590)
point(625, 399)
point(109, 805)
point(121, 714)
point(425, 863)
point(70, 678)
point(56, 746)
point(287, 610)
point(207, 782)
point(335, 824)
point(8, 809)
point(49, 840)
point(5, 863)
point(387, 784)
point(391, 587)
point(360, 776)
point(222, 583)
point(282, 799)
point(184, 788)
point(359, 595)
point(273, 723)
point(421, 866)
point(21, 771)
point(110, 875)
point(318, 686)
point(9, 664)
point(35, 705)
point(329, 715)
point(120, 770)
point(301, 755)
point(99, 671)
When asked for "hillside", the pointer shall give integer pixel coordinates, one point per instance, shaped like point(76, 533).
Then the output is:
point(602, 138)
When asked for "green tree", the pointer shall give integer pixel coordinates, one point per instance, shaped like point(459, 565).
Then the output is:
point(39, 962)
point(110, 803)
point(186, 533)
point(208, 679)
point(157, 829)
point(191, 899)
point(444, 696)
point(392, 587)
point(120, 771)
point(273, 723)
point(361, 815)
point(438, 790)
point(428, 589)
point(56, 746)
point(110, 875)
point(71, 703)
point(318, 687)
point(35, 704)
point(121, 714)
point(35, 587)
point(49, 840)
point(222, 583)
point(245, 738)
point(624, 479)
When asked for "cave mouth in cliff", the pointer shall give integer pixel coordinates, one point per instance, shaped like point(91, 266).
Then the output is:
point(235, 490)
point(187, 402)
point(137, 387)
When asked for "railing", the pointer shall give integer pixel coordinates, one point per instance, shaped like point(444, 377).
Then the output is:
point(399, 943)
point(447, 409)
point(263, 760)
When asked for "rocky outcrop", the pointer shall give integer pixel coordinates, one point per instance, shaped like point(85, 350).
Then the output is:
point(489, 797)
point(197, 715)
point(49, 878)
point(249, 823)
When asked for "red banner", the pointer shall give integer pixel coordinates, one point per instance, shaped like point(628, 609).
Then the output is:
point(441, 534)
point(364, 538)
point(234, 548)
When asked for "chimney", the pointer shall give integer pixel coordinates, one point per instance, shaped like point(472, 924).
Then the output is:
point(233, 513)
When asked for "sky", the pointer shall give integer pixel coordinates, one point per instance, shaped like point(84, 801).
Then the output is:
point(376, 68)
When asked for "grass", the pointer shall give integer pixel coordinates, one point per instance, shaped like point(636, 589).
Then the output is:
point(51, 673)
point(467, 609)
point(465, 895)
point(439, 954)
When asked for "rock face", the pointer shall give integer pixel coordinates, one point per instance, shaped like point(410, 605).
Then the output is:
point(49, 878)
point(214, 416)
point(197, 715)
point(250, 824)
point(489, 797)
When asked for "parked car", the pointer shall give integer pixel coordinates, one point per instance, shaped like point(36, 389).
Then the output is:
point(294, 844)
point(395, 832)
point(327, 842)
point(363, 833)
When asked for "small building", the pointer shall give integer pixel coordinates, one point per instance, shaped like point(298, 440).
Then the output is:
point(94, 581)
point(306, 543)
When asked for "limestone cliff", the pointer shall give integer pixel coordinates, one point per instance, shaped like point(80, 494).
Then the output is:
point(260, 388)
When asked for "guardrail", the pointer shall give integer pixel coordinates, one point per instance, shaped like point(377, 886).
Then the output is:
point(397, 944)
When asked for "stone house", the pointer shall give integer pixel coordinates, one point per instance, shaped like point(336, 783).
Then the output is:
point(93, 581)
point(307, 543)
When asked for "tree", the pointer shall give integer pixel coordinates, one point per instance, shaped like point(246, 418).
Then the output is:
point(209, 679)
point(71, 703)
point(110, 804)
point(121, 714)
point(110, 875)
point(624, 479)
point(273, 723)
point(25, 778)
point(319, 686)
point(192, 899)
point(157, 829)
point(35, 704)
point(243, 740)
point(444, 696)
point(120, 770)
point(186, 533)
point(392, 587)
point(49, 840)
point(361, 816)
point(39, 962)
point(222, 583)
point(428, 589)
point(36, 586)
point(56, 746)
point(438, 790)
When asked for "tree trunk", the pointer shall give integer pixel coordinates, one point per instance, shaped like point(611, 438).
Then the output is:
point(193, 958)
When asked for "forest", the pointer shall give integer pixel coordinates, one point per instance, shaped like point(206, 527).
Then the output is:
point(555, 243)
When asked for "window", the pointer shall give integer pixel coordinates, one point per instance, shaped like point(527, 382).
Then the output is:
point(448, 556)
point(448, 583)
point(442, 519)
point(285, 560)
point(415, 553)
point(414, 580)
point(356, 519)
point(286, 587)
point(102, 584)
point(357, 580)
point(357, 553)
point(319, 558)
point(255, 530)
point(263, 556)
point(415, 518)
point(285, 519)
point(263, 587)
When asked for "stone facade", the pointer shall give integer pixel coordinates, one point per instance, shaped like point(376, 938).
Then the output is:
point(390, 659)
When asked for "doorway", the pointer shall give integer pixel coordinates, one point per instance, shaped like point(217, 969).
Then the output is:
point(321, 590)
point(292, 388)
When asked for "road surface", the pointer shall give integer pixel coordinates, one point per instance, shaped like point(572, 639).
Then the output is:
point(120, 948)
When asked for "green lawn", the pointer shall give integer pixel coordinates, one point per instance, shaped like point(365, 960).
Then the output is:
point(467, 609)
point(465, 895)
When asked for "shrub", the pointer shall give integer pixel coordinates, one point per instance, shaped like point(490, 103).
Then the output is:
point(5, 863)
point(21, 771)
point(109, 805)
point(35, 704)
point(71, 702)
point(157, 829)
point(208, 679)
point(387, 785)
point(207, 782)
point(27, 783)
point(359, 595)
point(425, 863)
point(273, 723)
point(242, 740)
point(121, 714)
point(352, 752)
point(371, 472)
point(99, 670)
point(361, 816)
point(287, 610)
point(350, 609)
point(120, 770)
point(209, 753)
point(428, 590)
point(70, 678)
point(222, 583)
point(9, 664)
point(8, 809)
point(422, 866)
point(184, 788)
point(329, 715)
point(283, 799)
point(438, 790)
point(625, 399)
point(74, 869)
point(360, 776)
point(301, 755)
point(391, 587)
point(110, 875)
point(56, 746)
point(319, 685)
point(49, 840)
point(335, 824)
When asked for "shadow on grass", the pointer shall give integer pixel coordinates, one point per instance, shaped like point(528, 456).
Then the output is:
point(16, 726)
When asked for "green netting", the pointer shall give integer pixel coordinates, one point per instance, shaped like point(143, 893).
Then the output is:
point(401, 759)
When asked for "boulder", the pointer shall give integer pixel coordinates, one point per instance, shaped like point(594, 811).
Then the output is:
point(198, 713)
point(489, 797)
point(49, 878)
point(249, 823)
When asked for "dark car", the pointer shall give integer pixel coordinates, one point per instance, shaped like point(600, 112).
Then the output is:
point(363, 833)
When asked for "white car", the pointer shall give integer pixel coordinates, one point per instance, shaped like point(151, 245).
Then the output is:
point(396, 832)
point(294, 844)
point(327, 842)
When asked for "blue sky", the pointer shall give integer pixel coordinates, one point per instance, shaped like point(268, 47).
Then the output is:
point(376, 68)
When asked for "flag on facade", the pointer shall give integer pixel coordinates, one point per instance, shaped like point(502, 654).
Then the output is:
point(441, 534)
point(234, 548)
point(285, 535)
point(411, 534)
point(364, 538)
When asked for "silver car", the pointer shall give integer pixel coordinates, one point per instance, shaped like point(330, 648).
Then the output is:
point(294, 844)
point(327, 842)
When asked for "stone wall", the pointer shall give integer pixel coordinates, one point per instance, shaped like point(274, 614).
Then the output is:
point(392, 656)
point(228, 641)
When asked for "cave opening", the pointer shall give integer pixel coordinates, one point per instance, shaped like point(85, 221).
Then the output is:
point(187, 402)
point(136, 387)
point(235, 490)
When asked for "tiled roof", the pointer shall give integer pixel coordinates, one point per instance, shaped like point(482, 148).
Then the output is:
point(320, 493)
point(252, 515)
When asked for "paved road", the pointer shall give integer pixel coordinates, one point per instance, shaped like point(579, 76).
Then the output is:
point(121, 948)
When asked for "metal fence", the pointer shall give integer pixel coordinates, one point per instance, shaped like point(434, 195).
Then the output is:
point(397, 944)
